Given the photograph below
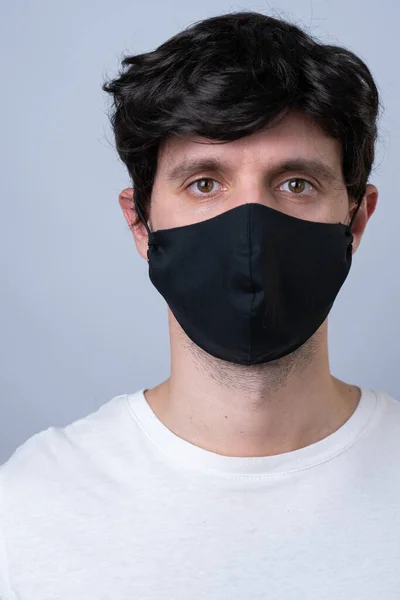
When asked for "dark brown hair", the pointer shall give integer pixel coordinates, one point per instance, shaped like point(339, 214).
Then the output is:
point(228, 76)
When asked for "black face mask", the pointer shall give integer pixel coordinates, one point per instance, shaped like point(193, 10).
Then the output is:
point(252, 284)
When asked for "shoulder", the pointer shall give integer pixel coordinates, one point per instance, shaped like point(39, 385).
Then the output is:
point(47, 479)
point(57, 451)
point(388, 417)
point(49, 476)
point(377, 444)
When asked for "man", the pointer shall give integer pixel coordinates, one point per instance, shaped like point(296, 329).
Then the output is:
point(251, 472)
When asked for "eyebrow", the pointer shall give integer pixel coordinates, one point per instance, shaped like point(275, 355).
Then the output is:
point(190, 166)
point(312, 166)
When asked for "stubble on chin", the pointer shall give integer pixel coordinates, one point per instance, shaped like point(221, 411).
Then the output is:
point(270, 376)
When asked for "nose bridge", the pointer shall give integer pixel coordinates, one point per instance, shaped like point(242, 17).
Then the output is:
point(251, 187)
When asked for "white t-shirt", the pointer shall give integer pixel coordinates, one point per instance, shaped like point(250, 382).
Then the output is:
point(116, 507)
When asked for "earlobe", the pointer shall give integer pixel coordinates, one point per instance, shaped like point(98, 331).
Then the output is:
point(134, 223)
point(364, 213)
point(127, 205)
point(371, 199)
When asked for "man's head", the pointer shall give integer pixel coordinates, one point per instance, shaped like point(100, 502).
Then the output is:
point(258, 94)
point(236, 111)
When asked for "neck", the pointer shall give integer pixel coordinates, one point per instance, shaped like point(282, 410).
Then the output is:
point(236, 410)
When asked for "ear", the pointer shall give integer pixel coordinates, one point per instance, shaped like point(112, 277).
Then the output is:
point(135, 224)
point(366, 210)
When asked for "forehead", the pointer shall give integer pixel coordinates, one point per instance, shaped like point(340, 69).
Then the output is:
point(293, 137)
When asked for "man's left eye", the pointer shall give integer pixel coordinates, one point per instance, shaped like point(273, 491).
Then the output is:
point(297, 186)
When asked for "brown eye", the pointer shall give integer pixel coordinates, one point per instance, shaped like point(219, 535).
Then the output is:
point(205, 185)
point(297, 185)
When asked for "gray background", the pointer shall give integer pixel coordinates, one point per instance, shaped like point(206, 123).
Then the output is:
point(79, 320)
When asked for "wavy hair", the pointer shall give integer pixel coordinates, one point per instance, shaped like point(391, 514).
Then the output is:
point(229, 76)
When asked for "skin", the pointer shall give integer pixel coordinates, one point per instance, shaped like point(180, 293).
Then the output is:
point(261, 410)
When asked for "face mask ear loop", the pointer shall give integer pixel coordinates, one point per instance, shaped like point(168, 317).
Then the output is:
point(355, 212)
point(141, 215)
